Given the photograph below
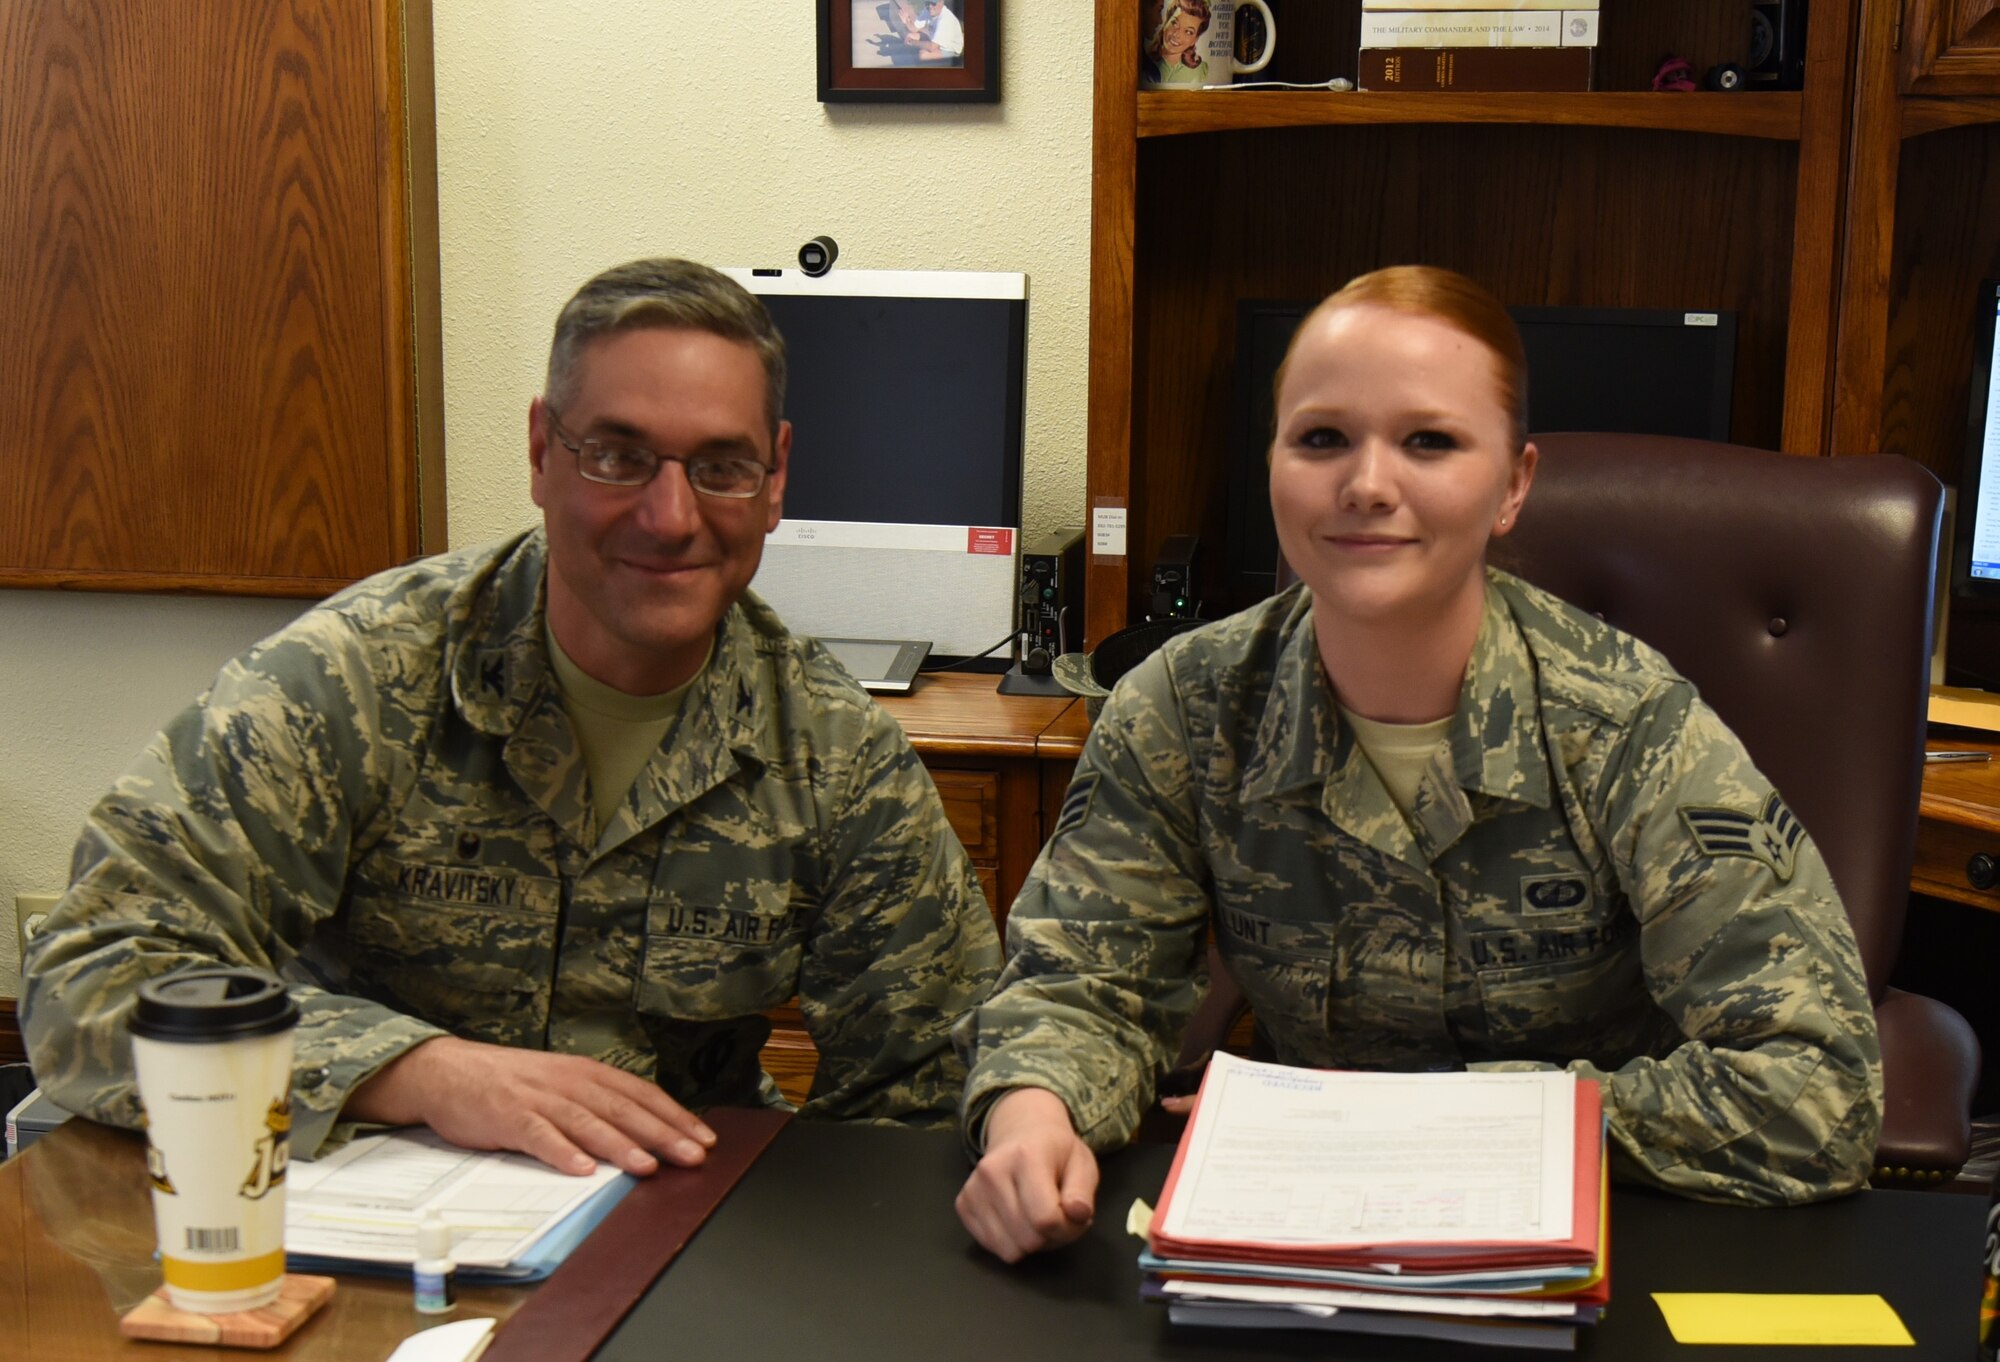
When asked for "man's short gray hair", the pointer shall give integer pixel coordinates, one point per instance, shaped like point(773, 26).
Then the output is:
point(669, 294)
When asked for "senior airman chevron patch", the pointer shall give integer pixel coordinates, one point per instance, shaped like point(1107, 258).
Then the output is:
point(1076, 804)
point(1771, 836)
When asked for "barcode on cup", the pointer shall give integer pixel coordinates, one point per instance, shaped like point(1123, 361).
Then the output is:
point(211, 1241)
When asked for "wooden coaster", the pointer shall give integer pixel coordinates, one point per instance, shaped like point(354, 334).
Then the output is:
point(156, 1318)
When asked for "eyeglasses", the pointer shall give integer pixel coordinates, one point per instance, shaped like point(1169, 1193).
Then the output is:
point(618, 464)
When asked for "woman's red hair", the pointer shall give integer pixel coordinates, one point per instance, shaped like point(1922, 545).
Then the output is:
point(1458, 302)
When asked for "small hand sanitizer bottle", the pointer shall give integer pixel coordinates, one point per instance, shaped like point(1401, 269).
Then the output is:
point(434, 1271)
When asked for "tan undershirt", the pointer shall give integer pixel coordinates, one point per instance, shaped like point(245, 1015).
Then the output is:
point(618, 732)
point(1398, 752)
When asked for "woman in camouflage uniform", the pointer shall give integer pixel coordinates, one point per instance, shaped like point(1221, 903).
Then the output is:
point(1434, 817)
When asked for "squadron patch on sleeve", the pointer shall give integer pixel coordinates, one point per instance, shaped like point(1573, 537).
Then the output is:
point(1771, 836)
point(1076, 804)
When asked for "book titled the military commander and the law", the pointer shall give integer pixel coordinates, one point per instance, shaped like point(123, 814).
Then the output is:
point(1477, 45)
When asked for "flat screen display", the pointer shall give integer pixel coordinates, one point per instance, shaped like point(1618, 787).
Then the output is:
point(1976, 557)
point(905, 391)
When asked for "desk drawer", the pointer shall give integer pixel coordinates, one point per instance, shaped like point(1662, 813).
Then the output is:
point(1943, 850)
point(972, 804)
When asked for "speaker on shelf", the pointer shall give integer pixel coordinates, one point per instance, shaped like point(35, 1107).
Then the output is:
point(1175, 595)
point(1777, 45)
point(1051, 611)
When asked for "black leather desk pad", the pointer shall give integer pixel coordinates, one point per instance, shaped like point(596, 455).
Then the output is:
point(841, 1243)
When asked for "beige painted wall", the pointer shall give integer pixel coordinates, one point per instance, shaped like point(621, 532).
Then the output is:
point(573, 134)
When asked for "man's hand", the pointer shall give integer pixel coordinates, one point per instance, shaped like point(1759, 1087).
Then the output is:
point(1036, 1186)
point(565, 1110)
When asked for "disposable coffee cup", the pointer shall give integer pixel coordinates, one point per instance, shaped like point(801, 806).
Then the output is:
point(213, 1050)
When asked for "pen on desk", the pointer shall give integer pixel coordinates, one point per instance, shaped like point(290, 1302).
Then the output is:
point(1958, 756)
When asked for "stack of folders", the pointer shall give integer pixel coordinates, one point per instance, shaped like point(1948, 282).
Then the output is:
point(1477, 44)
point(1461, 1206)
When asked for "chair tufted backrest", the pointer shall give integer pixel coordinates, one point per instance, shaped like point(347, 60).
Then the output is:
point(1795, 593)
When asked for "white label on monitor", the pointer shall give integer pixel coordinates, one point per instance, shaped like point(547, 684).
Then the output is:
point(1107, 531)
point(1985, 517)
point(1701, 319)
point(953, 586)
point(870, 534)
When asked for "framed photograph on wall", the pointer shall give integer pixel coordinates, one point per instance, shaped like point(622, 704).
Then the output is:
point(909, 51)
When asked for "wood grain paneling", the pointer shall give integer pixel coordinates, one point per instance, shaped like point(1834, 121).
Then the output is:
point(1772, 115)
point(1818, 223)
point(1113, 171)
point(1939, 256)
point(1952, 47)
point(1922, 114)
point(1868, 240)
point(1959, 819)
point(208, 376)
point(972, 806)
point(959, 713)
point(80, 1253)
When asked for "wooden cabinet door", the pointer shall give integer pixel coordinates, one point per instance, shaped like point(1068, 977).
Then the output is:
point(219, 360)
point(1951, 47)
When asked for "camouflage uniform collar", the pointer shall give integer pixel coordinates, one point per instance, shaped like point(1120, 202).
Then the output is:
point(1496, 743)
point(504, 684)
point(1299, 733)
point(1496, 746)
point(502, 665)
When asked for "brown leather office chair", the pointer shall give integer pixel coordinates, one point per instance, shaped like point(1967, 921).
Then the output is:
point(1796, 594)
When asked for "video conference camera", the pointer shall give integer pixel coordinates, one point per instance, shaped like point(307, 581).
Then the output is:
point(816, 257)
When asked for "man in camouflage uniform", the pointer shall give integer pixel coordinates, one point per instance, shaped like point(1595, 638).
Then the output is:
point(1597, 878)
point(508, 907)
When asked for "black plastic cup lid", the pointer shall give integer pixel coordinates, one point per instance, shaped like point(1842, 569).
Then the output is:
point(205, 1006)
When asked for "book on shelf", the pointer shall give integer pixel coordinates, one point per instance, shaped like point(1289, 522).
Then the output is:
point(1463, 1206)
point(1479, 28)
point(1477, 69)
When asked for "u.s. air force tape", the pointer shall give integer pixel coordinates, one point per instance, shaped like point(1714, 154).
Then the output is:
point(1771, 835)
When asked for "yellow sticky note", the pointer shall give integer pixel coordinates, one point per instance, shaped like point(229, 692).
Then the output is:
point(1138, 1219)
point(1720, 1317)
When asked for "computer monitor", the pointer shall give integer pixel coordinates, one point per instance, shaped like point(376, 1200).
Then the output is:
point(1976, 531)
point(1651, 371)
point(906, 394)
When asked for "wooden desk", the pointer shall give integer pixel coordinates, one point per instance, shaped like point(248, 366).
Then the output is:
point(76, 1252)
point(1959, 819)
point(872, 1264)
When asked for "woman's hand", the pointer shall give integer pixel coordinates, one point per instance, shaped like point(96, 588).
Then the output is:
point(1036, 1186)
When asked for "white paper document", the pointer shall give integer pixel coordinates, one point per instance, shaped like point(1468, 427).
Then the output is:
point(364, 1202)
point(1288, 1156)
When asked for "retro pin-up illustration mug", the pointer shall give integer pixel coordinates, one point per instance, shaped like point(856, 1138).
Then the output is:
point(1189, 44)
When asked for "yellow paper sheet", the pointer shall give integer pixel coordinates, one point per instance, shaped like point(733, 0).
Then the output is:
point(1716, 1317)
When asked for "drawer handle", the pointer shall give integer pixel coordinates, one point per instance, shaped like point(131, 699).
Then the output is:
point(1982, 870)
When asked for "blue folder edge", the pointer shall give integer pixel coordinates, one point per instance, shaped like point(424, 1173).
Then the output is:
point(545, 1257)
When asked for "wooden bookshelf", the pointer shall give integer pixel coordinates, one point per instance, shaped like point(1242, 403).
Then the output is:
point(1615, 197)
point(1173, 113)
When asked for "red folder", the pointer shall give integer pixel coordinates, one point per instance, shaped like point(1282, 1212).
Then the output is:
point(1579, 1247)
